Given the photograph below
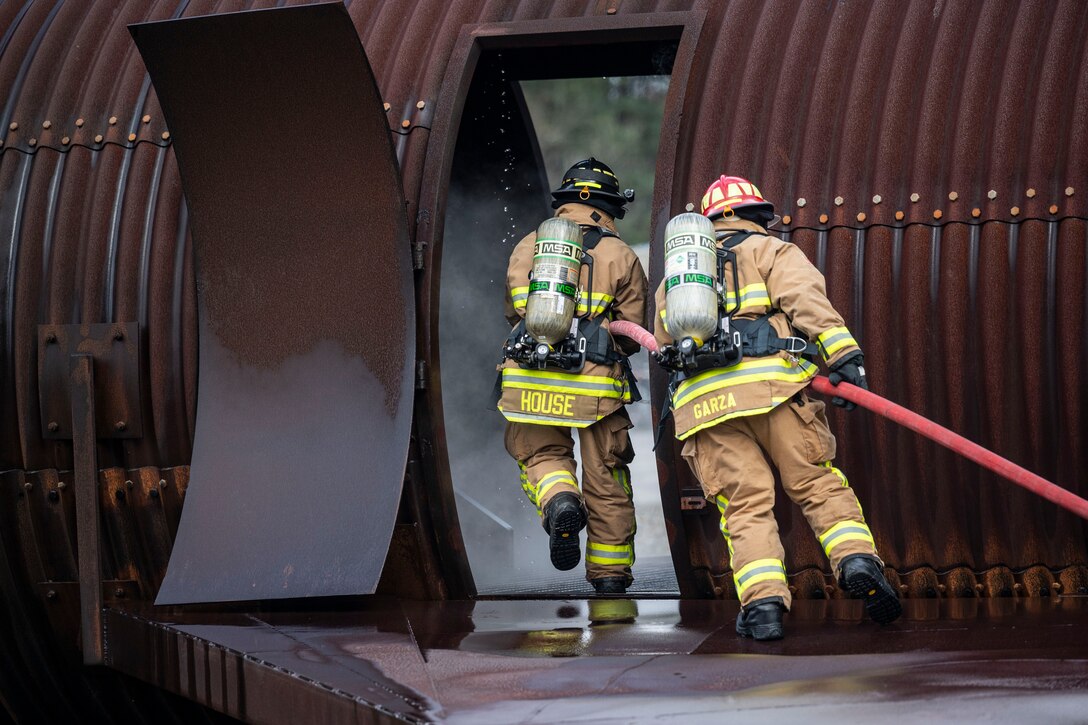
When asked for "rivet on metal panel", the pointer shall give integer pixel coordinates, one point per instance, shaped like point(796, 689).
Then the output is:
point(120, 425)
point(689, 207)
point(113, 120)
point(861, 216)
point(952, 196)
point(28, 485)
point(386, 106)
point(119, 334)
point(1015, 210)
point(119, 593)
point(838, 201)
point(1053, 208)
point(47, 124)
point(165, 135)
point(915, 197)
point(1056, 586)
point(1030, 193)
point(33, 142)
point(132, 137)
point(823, 218)
point(717, 591)
point(787, 219)
point(802, 201)
point(405, 123)
point(98, 138)
point(1069, 191)
point(976, 212)
point(877, 198)
point(899, 216)
point(53, 426)
point(62, 485)
point(162, 483)
point(51, 337)
point(937, 214)
point(13, 126)
point(421, 105)
point(611, 11)
point(146, 119)
point(64, 140)
point(79, 123)
point(992, 193)
point(128, 484)
point(51, 594)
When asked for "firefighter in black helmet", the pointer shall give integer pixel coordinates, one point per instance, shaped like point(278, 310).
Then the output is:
point(542, 403)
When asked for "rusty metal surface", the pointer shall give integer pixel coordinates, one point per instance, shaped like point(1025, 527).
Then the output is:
point(116, 352)
point(88, 518)
point(983, 100)
point(615, 660)
point(305, 299)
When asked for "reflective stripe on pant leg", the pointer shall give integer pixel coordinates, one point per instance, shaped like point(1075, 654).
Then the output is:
point(723, 504)
point(758, 571)
point(549, 480)
point(622, 474)
point(528, 487)
point(846, 531)
point(609, 554)
point(842, 477)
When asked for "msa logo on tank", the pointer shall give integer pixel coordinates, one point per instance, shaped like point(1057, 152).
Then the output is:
point(533, 401)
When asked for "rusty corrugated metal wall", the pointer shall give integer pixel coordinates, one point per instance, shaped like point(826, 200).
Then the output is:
point(930, 156)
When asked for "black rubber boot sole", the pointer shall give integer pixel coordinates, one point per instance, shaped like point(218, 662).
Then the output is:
point(762, 632)
point(565, 551)
point(880, 600)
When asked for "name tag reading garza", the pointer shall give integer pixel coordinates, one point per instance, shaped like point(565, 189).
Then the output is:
point(718, 404)
point(533, 401)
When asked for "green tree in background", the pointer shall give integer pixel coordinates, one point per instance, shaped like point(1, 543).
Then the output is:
point(617, 120)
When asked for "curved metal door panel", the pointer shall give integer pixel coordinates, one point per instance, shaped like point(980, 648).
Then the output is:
point(305, 304)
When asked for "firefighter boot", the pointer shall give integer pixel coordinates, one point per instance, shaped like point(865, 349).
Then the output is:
point(863, 576)
point(610, 585)
point(762, 619)
point(563, 519)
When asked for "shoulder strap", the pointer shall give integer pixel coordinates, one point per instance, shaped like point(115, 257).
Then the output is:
point(592, 235)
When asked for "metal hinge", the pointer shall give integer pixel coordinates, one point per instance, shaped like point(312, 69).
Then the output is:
point(421, 375)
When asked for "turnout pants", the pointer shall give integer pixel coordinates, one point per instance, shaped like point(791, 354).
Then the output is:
point(545, 454)
point(729, 461)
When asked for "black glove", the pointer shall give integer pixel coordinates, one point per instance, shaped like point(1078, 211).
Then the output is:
point(851, 369)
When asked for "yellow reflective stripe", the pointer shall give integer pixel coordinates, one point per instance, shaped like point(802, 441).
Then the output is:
point(529, 489)
point(544, 420)
point(595, 386)
point(609, 553)
point(549, 481)
point(757, 571)
point(623, 478)
point(723, 526)
point(846, 531)
point(751, 296)
point(601, 301)
point(837, 472)
point(835, 339)
point(663, 322)
point(594, 184)
point(746, 371)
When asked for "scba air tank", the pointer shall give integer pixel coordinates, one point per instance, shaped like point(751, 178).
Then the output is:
point(691, 272)
point(553, 289)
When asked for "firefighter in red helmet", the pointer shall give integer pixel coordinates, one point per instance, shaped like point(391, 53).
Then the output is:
point(576, 262)
point(735, 414)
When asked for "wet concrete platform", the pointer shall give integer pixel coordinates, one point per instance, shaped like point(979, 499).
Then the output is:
point(617, 660)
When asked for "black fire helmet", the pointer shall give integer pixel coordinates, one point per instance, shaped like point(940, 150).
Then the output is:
point(592, 182)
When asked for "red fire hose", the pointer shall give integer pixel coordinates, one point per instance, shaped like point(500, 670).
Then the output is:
point(908, 419)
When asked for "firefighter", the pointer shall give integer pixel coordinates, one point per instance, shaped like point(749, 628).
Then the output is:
point(735, 414)
point(542, 403)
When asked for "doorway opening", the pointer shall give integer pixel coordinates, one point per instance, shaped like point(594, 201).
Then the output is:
point(530, 112)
